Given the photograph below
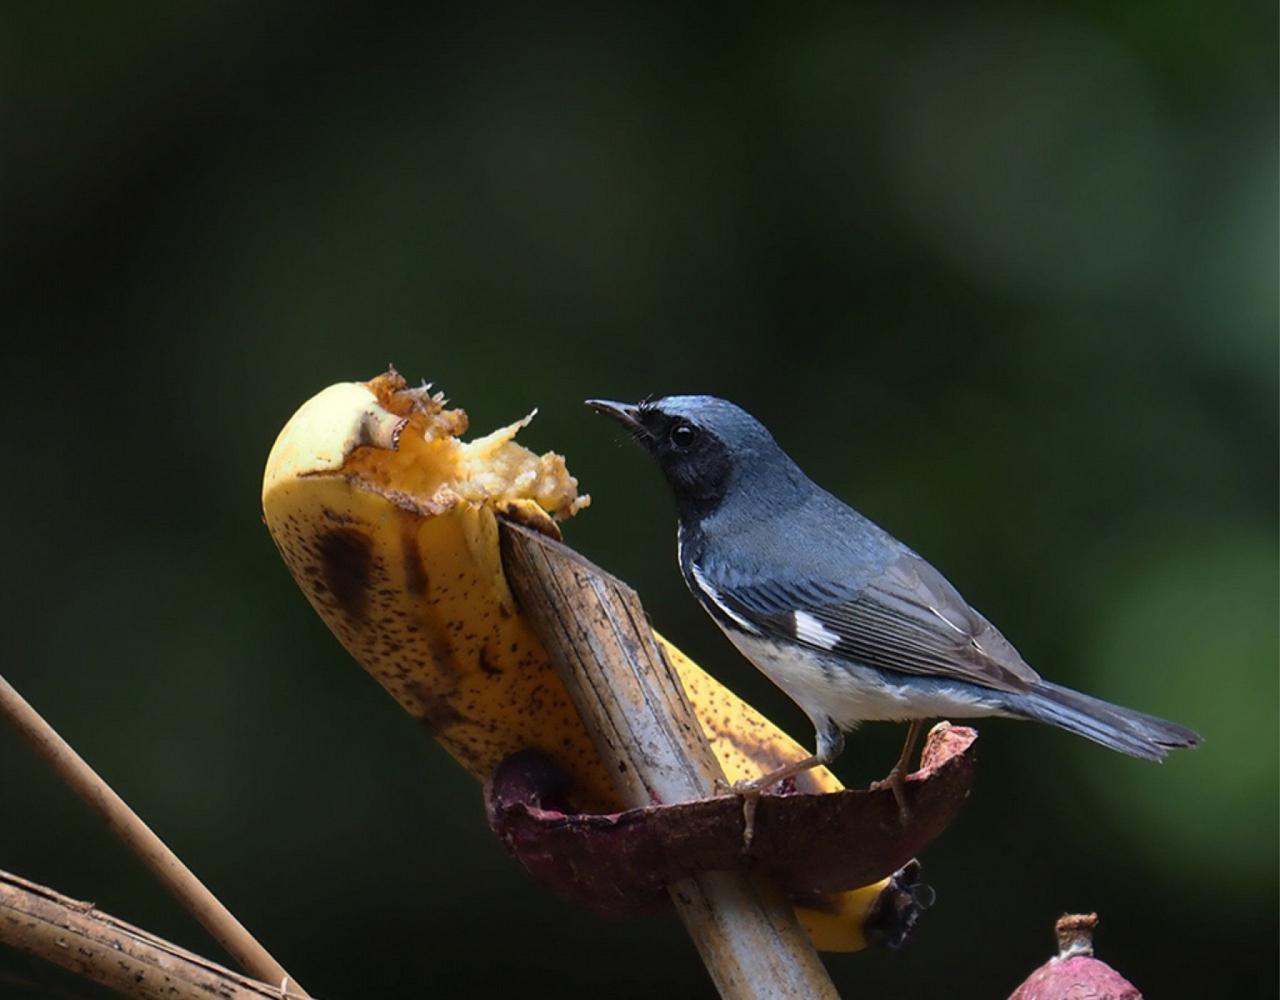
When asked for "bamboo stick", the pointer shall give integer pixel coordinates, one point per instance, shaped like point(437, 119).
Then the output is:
point(645, 730)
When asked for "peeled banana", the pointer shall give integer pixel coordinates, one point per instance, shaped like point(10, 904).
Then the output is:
point(387, 521)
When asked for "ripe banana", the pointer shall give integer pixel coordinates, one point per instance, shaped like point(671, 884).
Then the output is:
point(387, 521)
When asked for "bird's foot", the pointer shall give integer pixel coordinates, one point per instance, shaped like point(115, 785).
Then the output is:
point(749, 792)
point(750, 799)
point(894, 781)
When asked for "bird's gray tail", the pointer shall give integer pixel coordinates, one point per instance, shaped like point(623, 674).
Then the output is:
point(1123, 729)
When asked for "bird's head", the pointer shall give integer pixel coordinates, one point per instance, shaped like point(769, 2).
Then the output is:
point(702, 444)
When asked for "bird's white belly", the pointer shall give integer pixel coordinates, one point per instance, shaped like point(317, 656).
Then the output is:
point(848, 693)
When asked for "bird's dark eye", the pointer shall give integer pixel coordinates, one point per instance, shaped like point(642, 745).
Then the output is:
point(683, 435)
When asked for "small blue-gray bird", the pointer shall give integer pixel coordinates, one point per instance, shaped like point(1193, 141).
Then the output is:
point(852, 624)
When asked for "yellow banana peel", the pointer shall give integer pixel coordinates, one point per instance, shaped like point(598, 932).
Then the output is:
point(387, 521)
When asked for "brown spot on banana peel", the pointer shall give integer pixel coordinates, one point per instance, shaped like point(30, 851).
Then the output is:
point(346, 559)
point(437, 710)
point(487, 664)
point(415, 577)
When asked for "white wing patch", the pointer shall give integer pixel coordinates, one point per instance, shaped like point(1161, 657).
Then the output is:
point(811, 631)
point(710, 591)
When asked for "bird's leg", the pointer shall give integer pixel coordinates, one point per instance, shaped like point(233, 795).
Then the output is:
point(894, 779)
point(830, 744)
point(757, 786)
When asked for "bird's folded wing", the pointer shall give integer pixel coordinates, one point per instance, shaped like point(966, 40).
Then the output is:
point(906, 618)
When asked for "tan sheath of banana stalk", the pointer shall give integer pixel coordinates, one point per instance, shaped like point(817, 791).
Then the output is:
point(386, 520)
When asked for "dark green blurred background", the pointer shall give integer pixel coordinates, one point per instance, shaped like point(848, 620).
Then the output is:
point(1005, 279)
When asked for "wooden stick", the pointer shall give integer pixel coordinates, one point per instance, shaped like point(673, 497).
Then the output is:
point(150, 849)
point(644, 728)
point(106, 950)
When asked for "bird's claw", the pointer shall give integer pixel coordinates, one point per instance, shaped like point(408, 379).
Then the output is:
point(749, 792)
point(895, 783)
point(750, 800)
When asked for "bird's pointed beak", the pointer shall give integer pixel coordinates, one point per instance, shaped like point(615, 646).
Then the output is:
point(625, 413)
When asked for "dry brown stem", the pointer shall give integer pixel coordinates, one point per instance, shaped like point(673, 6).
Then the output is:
point(106, 950)
point(150, 849)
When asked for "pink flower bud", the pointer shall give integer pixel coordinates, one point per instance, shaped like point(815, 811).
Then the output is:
point(1074, 974)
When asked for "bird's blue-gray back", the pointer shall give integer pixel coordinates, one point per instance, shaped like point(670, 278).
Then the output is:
point(875, 600)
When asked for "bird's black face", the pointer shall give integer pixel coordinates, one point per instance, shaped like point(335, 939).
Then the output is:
point(689, 448)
